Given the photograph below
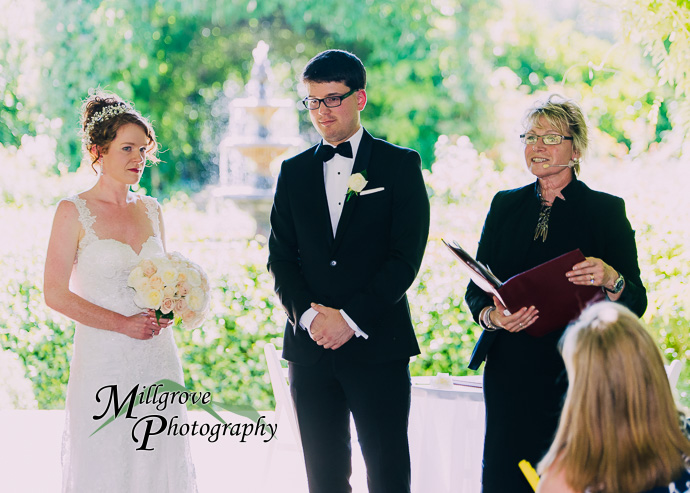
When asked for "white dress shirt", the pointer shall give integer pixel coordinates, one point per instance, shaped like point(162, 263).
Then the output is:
point(336, 173)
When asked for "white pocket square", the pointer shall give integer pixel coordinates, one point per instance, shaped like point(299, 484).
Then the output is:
point(373, 190)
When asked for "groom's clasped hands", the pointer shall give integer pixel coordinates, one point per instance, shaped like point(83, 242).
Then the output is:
point(329, 329)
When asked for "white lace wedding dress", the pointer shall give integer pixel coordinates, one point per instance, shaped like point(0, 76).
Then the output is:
point(109, 460)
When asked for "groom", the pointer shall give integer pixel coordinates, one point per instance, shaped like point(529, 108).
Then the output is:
point(343, 255)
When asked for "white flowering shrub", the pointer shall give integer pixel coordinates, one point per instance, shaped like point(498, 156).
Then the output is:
point(225, 355)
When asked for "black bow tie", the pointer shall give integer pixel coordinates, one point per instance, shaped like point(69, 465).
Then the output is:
point(326, 152)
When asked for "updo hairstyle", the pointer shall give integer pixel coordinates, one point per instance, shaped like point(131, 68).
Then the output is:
point(103, 113)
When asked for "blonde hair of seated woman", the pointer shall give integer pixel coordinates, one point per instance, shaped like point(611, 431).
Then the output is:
point(620, 427)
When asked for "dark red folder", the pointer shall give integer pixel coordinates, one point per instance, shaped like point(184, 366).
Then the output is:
point(545, 286)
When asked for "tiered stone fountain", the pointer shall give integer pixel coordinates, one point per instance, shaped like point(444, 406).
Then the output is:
point(262, 130)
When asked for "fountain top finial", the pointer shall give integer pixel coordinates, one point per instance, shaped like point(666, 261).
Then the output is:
point(260, 53)
point(260, 79)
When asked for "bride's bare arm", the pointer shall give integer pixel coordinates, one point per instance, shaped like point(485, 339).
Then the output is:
point(62, 249)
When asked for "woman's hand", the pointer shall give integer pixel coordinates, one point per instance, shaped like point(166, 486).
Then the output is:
point(142, 326)
point(515, 322)
point(163, 322)
point(594, 272)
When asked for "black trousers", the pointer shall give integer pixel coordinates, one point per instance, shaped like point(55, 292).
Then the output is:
point(524, 386)
point(378, 396)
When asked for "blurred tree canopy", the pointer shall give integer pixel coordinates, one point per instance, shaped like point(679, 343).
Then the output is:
point(663, 28)
point(434, 67)
point(174, 59)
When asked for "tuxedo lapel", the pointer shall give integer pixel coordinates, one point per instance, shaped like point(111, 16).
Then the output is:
point(318, 184)
point(361, 164)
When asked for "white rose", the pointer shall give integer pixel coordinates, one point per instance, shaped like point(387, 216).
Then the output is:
point(196, 299)
point(176, 257)
point(356, 182)
point(193, 277)
point(141, 284)
point(442, 381)
point(161, 263)
point(168, 274)
point(135, 277)
point(151, 298)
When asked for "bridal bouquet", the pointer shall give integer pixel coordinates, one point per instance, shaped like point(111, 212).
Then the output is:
point(172, 286)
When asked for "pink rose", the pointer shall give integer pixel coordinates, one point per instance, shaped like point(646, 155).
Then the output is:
point(182, 289)
point(148, 267)
point(167, 305)
point(180, 306)
point(156, 283)
point(169, 292)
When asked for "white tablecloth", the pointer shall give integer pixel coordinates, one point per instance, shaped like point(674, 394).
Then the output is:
point(446, 435)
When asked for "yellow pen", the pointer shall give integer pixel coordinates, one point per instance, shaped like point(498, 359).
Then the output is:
point(530, 474)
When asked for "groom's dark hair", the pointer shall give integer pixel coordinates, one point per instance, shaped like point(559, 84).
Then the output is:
point(336, 66)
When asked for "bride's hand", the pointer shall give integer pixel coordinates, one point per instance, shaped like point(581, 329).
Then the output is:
point(163, 323)
point(141, 326)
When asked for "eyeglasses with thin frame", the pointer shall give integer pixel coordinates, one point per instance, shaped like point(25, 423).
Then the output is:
point(329, 101)
point(548, 139)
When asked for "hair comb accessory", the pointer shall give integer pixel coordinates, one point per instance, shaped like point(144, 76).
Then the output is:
point(100, 116)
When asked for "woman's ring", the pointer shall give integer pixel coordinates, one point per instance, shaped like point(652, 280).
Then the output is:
point(153, 332)
point(591, 279)
point(520, 324)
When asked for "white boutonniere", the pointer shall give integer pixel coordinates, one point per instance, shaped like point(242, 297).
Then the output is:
point(355, 184)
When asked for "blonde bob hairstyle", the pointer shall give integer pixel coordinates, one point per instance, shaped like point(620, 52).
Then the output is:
point(620, 429)
point(565, 116)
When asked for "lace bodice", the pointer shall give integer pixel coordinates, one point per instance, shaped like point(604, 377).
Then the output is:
point(102, 265)
point(108, 461)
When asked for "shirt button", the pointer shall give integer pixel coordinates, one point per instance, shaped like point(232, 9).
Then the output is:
point(333, 263)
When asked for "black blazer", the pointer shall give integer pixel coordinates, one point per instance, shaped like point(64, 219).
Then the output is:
point(595, 222)
point(369, 265)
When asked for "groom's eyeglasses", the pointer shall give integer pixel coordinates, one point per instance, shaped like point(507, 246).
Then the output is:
point(330, 101)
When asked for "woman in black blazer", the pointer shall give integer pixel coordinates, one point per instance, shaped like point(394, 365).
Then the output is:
point(524, 376)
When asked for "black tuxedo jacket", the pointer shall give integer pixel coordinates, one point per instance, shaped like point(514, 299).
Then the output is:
point(369, 265)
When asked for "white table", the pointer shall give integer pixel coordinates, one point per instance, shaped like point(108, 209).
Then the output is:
point(446, 436)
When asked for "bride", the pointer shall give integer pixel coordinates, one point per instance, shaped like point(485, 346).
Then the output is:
point(97, 238)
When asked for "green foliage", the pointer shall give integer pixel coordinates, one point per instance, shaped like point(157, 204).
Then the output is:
point(225, 356)
point(180, 61)
point(617, 87)
point(434, 69)
point(33, 332)
point(663, 28)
